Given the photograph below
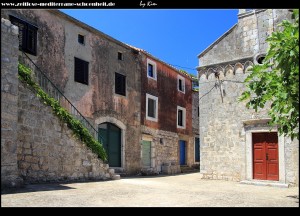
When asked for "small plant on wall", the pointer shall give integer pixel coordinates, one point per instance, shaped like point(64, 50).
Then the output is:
point(75, 125)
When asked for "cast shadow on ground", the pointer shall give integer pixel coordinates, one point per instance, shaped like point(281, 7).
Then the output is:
point(295, 197)
point(36, 188)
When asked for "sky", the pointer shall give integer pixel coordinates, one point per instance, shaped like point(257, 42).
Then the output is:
point(175, 36)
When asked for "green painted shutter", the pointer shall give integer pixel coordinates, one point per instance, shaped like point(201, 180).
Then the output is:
point(146, 153)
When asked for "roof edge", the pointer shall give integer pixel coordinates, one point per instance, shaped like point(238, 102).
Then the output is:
point(216, 41)
point(86, 26)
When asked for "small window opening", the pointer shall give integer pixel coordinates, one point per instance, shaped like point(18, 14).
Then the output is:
point(80, 39)
point(120, 56)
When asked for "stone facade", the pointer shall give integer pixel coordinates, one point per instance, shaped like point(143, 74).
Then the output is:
point(195, 112)
point(9, 104)
point(245, 39)
point(164, 133)
point(35, 145)
point(57, 45)
point(226, 125)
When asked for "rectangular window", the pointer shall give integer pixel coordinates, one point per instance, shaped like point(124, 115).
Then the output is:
point(181, 83)
point(80, 39)
point(151, 107)
point(120, 56)
point(27, 35)
point(151, 69)
point(181, 117)
point(120, 84)
point(81, 71)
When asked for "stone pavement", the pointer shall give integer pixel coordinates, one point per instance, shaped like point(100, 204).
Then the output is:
point(178, 190)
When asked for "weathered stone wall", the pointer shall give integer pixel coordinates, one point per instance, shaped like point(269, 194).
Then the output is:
point(47, 149)
point(165, 148)
point(291, 151)
point(223, 149)
point(226, 126)
point(246, 38)
point(9, 104)
point(195, 112)
point(166, 89)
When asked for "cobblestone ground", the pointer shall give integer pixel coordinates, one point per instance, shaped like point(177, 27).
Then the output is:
point(179, 190)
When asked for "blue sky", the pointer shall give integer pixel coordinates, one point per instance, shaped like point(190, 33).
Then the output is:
point(175, 36)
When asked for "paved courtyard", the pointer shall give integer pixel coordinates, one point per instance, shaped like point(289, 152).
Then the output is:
point(179, 190)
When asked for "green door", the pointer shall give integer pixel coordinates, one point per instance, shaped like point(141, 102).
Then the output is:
point(146, 153)
point(111, 136)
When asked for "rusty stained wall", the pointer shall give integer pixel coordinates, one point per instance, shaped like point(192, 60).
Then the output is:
point(56, 48)
point(51, 43)
point(165, 133)
point(165, 88)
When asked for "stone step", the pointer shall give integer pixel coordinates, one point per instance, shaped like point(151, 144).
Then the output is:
point(116, 177)
point(187, 169)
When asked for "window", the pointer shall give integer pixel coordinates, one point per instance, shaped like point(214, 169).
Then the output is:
point(27, 35)
point(120, 56)
point(120, 84)
point(81, 71)
point(151, 107)
point(195, 84)
point(80, 39)
point(181, 83)
point(151, 69)
point(181, 116)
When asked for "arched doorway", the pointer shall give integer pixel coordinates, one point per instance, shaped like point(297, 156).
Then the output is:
point(111, 136)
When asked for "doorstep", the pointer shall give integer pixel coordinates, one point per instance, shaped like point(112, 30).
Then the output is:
point(265, 183)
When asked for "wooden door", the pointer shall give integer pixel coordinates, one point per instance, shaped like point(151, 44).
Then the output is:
point(197, 149)
point(111, 138)
point(146, 153)
point(182, 147)
point(265, 156)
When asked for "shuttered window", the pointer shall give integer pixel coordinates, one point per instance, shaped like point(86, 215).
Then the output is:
point(120, 84)
point(81, 71)
point(27, 35)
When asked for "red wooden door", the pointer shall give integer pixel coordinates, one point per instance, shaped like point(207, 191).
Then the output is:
point(265, 156)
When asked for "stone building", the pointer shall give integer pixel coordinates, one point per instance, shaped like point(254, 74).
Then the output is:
point(108, 82)
point(36, 146)
point(166, 116)
point(236, 142)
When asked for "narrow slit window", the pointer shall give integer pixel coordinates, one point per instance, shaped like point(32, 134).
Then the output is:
point(181, 117)
point(181, 84)
point(151, 69)
point(120, 56)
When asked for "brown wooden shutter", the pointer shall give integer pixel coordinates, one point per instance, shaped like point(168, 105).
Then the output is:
point(120, 84)
point(81, 71)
